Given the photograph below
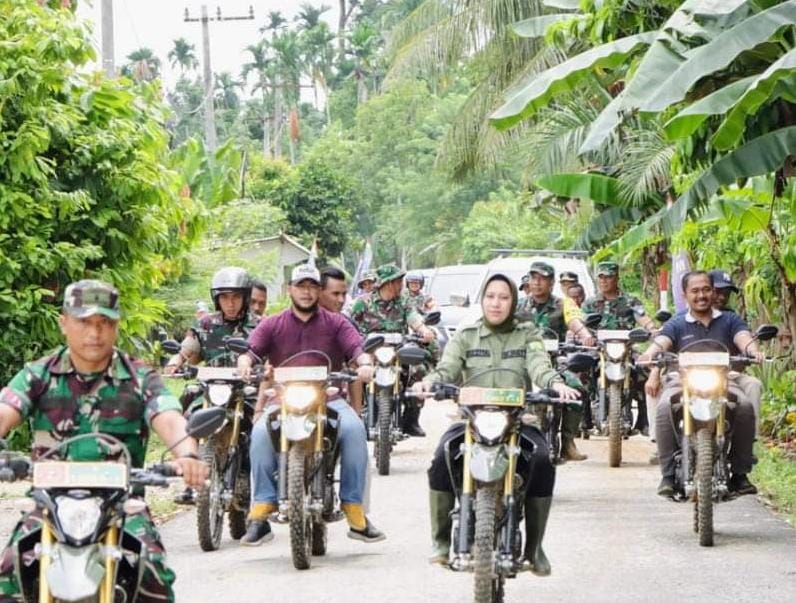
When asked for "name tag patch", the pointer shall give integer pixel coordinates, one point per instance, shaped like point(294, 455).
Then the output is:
point(514, 353)
point(477, 353)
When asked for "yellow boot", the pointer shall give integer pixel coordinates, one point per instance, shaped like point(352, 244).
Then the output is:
point(359, 525)
point(258, 529)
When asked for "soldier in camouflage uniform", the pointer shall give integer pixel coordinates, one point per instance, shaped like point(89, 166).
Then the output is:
point(383, 310)
point(497, 340)
point(620, 311)
point(413, 294)
point(91, 386)
point(547, 311)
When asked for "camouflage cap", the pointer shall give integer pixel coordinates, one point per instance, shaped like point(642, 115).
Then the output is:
point(370, 275)
point(607, 268)
point(542, 268)
point(89, 297)
point(524, 281)
point(568, 276)
point(388, 272)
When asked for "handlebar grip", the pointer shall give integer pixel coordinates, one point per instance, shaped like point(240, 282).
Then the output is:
point(7, 475)
point(164, 470)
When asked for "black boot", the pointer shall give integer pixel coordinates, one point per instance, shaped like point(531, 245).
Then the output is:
point(410, 421)
point(537, 510)
point(440, 504)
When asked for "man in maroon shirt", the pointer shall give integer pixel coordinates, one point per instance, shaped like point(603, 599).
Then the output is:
point(302, 327)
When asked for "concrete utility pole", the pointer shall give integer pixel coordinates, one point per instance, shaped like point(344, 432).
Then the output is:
point(108, 65)
point(209, 112)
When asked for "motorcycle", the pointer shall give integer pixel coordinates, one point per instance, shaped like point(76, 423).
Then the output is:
point(81, 552)
point(487, 532)
point(306, 429)
point(702, 465)
point(226, 452)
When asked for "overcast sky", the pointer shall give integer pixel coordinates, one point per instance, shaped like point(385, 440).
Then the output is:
point(157, 23)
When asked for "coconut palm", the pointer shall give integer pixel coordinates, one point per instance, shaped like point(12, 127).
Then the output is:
point(142, 65)
point(183, 55)
point(226, 90)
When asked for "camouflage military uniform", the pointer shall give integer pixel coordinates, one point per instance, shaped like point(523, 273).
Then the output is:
point(372, 314)
point(212, 329)
point(60, 403)
point(418, 301)
point(622, 312)
point(548, 315)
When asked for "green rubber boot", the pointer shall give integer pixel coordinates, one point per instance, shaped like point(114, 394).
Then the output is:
point(570, 425)
point(537, 510)
point(440, 504)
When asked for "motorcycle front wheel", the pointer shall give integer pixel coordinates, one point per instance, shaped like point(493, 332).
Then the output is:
point(384, 437)
point(704, 497)
point(209, 505)
point(300, 520)
point(614, 425)
point(488, 587)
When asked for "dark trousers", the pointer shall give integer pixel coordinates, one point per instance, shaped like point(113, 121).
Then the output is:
point(533, 464)
point(741, 416)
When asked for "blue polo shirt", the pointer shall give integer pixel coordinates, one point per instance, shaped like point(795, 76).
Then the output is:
point(684, 329)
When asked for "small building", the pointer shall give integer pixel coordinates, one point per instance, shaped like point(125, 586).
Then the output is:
point(282, 251)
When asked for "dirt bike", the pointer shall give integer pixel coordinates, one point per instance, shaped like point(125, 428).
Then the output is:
point(306, 429)
point(487, 532)
point(399, 361)
point(81, 550)
point(702, 464)
point(226, 452)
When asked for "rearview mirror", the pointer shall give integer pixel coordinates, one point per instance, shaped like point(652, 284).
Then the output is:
point(766, 332)
point(662, 315)
point(461, 300)
point(638, 335)
point(206, 421)
point(593, 321)
point(373, 342)
point(580, 363)
point(170, 346)
point(237, 345)
point(432, 318)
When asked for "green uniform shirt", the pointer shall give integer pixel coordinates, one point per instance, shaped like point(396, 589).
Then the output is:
point(620, 313)
point(475, 348)
point(211, 332)
point(372, 314)
point(418, 302)
point(547, 315)
point(60, 403)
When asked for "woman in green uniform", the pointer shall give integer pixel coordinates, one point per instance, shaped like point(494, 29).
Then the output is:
point(497, 340)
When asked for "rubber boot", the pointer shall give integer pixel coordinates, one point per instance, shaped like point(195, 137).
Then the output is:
point(440, 504)
point(537, 510)
point(410, 420)
point(570, 423)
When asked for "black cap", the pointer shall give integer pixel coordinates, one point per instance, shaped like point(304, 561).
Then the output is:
point(722, 280)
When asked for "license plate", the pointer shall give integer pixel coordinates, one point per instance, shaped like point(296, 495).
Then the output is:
point(613, 335)
point(286, 374)
point(389, 338)
point(686, 359)
point(64, 474)
point(491, 396)
point(550, 345)
point(217, 373)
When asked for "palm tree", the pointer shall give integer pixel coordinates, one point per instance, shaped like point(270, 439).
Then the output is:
point(276, 21)
point(309, 16)
point(289, 67)
point(142, 65)
point(226, 90)
point(364, 43)
point(184, 55)
point(263, 66)
point(317, 53)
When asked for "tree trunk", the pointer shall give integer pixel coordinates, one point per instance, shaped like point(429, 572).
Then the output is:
point(278, 119)
point(341, 21)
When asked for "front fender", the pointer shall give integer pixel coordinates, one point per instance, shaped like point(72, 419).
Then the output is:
point(488, 463)
point(299, 427)
point(75, 573)
point(614, 371)
point(385, 376)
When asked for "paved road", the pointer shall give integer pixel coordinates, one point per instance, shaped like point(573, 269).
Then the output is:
point(609, 539)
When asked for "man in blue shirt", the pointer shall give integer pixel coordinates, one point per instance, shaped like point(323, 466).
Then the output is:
point(702, 321)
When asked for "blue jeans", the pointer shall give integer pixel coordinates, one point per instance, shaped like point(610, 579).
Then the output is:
point(353, 456)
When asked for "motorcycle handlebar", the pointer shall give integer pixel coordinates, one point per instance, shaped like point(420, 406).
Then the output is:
point(342, 376)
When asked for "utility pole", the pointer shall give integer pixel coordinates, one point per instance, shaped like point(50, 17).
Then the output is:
point(107, 39)
point(209, 111)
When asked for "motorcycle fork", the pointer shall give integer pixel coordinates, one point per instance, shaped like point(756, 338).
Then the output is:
point(111, 542)
point(283, 450)
point(372, 410)
point(319, 473)
point(509, 503)
point(47, 541)
point(688, 430)
point(602, 386)
point(396, 392)
point(466, 499)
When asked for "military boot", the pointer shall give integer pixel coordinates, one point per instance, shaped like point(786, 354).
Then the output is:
point(440, 504)
point(570, 423)
point(537, 510)
point(410, 422)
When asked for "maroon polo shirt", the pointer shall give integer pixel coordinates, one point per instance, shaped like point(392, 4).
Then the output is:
point(282, 335)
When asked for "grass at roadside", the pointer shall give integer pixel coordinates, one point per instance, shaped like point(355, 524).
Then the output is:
point(775, 477)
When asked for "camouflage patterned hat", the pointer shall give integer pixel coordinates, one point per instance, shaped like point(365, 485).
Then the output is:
point(568, 277)
point(607, 269)
point(370, 275)
point(388, 272)
point(89, 297)
point(526, 278)
point(542, 268)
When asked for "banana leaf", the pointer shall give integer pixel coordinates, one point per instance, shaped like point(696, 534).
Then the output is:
point(603, 126)
point(778, 79)
point(763, 155)
point(718, 54)
point(562, 4)
point(540, 88)
point(536, 26)
point(719, 102)
point(605, 224)
point(597, 187)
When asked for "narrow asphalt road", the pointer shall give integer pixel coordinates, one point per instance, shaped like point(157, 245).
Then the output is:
point(610, 538)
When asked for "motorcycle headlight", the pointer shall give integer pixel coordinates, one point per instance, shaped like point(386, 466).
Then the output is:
point(219, 393)
point(615, 350)
point(489, 424)
point(385, 355)
point(78, 517)
point(300, 397)
point(703, 380)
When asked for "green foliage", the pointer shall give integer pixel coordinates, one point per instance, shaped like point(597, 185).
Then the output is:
point(775, 476)
point(84, 187)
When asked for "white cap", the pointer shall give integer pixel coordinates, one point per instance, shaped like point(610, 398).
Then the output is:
point(304, 272)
